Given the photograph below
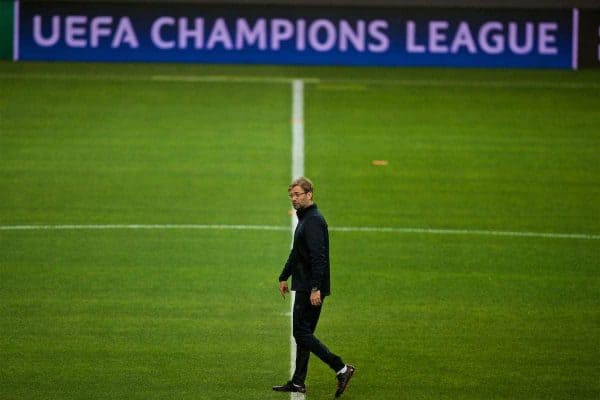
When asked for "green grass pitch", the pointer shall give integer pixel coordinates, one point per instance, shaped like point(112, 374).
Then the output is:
point(195, 313)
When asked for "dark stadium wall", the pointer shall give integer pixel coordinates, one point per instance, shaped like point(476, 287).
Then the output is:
point(388, 3)
point(6, 30)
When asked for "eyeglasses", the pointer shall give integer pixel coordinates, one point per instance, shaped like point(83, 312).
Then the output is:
point(294, 195)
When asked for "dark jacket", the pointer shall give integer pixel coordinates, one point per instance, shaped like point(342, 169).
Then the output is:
point(308, 262)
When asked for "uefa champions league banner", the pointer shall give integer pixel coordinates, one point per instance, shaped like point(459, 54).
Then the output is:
point(294, 35)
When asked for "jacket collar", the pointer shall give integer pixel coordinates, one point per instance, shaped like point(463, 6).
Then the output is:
point(301, 213)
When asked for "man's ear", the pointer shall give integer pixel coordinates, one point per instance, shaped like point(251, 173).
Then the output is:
point(310, 195)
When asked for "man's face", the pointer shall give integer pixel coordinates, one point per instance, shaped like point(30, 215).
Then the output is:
point(300, 199)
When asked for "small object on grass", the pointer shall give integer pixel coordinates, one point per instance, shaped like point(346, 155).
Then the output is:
point(379, 163)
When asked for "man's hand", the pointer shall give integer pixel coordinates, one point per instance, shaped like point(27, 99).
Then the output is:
point(315, 298)
point(283, 288)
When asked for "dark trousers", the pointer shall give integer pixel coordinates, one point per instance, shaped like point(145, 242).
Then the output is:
point(305, 321)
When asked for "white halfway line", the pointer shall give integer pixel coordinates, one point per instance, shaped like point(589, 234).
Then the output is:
point(373, 229)
point(297, 171)
point(158, 78)
point(500, 84)
point(144, 226)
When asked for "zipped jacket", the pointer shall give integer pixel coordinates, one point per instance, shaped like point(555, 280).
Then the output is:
point(308, 262)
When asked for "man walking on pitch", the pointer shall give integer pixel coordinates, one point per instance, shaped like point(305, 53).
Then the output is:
point(308, 265)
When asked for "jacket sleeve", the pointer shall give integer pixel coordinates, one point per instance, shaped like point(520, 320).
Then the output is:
point(318, 250)
point(289, 265)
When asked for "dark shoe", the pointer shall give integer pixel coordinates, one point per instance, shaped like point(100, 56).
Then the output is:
point(290, 387)
point(343, 380)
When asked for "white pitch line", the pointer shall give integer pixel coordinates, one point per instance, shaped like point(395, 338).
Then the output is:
point(143, 226)
point(476, 232)
point(297, 128)
point(297, 171)
point(228, 78)
point(471, 83)
point(158, 78)
point(354, 229)
point(497, 84)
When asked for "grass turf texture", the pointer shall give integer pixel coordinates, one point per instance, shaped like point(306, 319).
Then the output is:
point(195, 314)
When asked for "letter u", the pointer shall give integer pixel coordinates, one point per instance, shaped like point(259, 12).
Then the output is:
point(54, 34)
point(513, 38)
